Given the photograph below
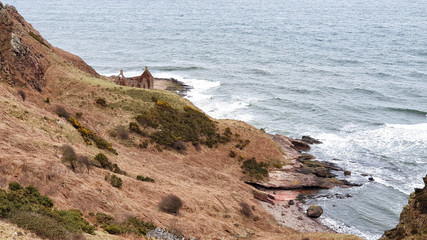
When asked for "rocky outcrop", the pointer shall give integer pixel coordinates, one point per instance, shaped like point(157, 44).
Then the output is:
point(23, 52)
point(413, 219)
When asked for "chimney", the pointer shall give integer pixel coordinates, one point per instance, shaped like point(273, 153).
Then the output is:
point(121, 71)
point(146, 68)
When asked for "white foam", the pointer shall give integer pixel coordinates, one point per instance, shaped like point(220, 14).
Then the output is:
point(345, 229)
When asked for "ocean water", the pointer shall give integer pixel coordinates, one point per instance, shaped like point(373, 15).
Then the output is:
point(350, 73)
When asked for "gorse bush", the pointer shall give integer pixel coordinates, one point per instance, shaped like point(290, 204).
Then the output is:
point(170, 204)
point(255, 170)
point(132, 225)
point(101, 102)
point(105, 163)
point(116, 181)
point(89, 136)
point(144, 179)
point(172, 125)
point(27, 208)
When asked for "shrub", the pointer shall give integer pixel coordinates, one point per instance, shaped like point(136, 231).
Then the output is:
point(89, 135)
point(113, 229)
point(144, 179)
point(84, 160)
point(232, 154)
point(172, 125)
point(43, 226)
point(246, 209)
point(101, 102)
point(144, 144)
point(170, 204)
point(242, 144)
point(69, 156)
point(61, 112)
point(122, 132)
point(27, 208)
point(14, 186)
point(134, 127)
point(103, 218)
point(179, 145)
point(103, 160)
point(256, 170)
point(116, 181)
point(79, 114)
point(22, 94)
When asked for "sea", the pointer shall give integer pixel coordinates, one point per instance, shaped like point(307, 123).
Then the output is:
point(351, 73)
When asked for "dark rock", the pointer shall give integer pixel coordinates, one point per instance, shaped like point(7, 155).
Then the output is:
point(371, 179)
point(314, 211)
point(321, 172)
point(300, 145)
point(310, 140)
point(347, 173)
point(365, 174)
point(262, 197)
point(291, 202)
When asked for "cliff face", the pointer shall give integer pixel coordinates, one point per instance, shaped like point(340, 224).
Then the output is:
point(23, 52)
point(413, 219)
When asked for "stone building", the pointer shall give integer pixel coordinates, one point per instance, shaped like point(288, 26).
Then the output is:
point(146, 80)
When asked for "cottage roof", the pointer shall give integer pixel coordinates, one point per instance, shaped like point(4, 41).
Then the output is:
point(146, 74)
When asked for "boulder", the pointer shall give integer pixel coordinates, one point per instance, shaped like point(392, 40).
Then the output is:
point(310, 140)
point(347, 173)
point(321, 172)
point(314, 211)
point(300, 145)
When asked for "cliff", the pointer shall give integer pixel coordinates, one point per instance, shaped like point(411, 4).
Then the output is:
point(50, 99)
point(413, 219)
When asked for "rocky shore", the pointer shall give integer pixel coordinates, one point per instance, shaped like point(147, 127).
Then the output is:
point(282, 195)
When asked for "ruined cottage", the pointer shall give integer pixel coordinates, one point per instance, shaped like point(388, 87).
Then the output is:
point(146, 80)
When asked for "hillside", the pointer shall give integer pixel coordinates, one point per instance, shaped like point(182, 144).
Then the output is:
point(50, 98)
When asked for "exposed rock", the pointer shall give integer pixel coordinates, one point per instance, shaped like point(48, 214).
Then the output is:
point(263, 197)
point(321, 172)
point(314, 211)
point(163, 234)
point(286, 144)
point(347, 173)
point(310, 140)
point(413, 219)
point(291, 202)
point(293, 180)
point(300, 145)
point(371, 179)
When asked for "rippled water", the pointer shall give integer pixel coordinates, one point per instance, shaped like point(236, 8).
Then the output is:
point(351, 73)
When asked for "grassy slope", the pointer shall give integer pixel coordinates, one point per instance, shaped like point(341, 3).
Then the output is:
point(208, 181)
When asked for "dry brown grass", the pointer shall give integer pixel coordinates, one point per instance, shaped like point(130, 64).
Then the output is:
point(208, 181)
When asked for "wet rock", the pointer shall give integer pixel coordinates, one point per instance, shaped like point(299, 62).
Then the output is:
point(291, 202)
point(347, 173)
point(300, 145)
point(371, 179)
point(310, 140)
point(314, 211)
point(321, 172)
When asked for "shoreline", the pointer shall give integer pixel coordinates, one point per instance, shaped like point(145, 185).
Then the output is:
point(283, 196)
